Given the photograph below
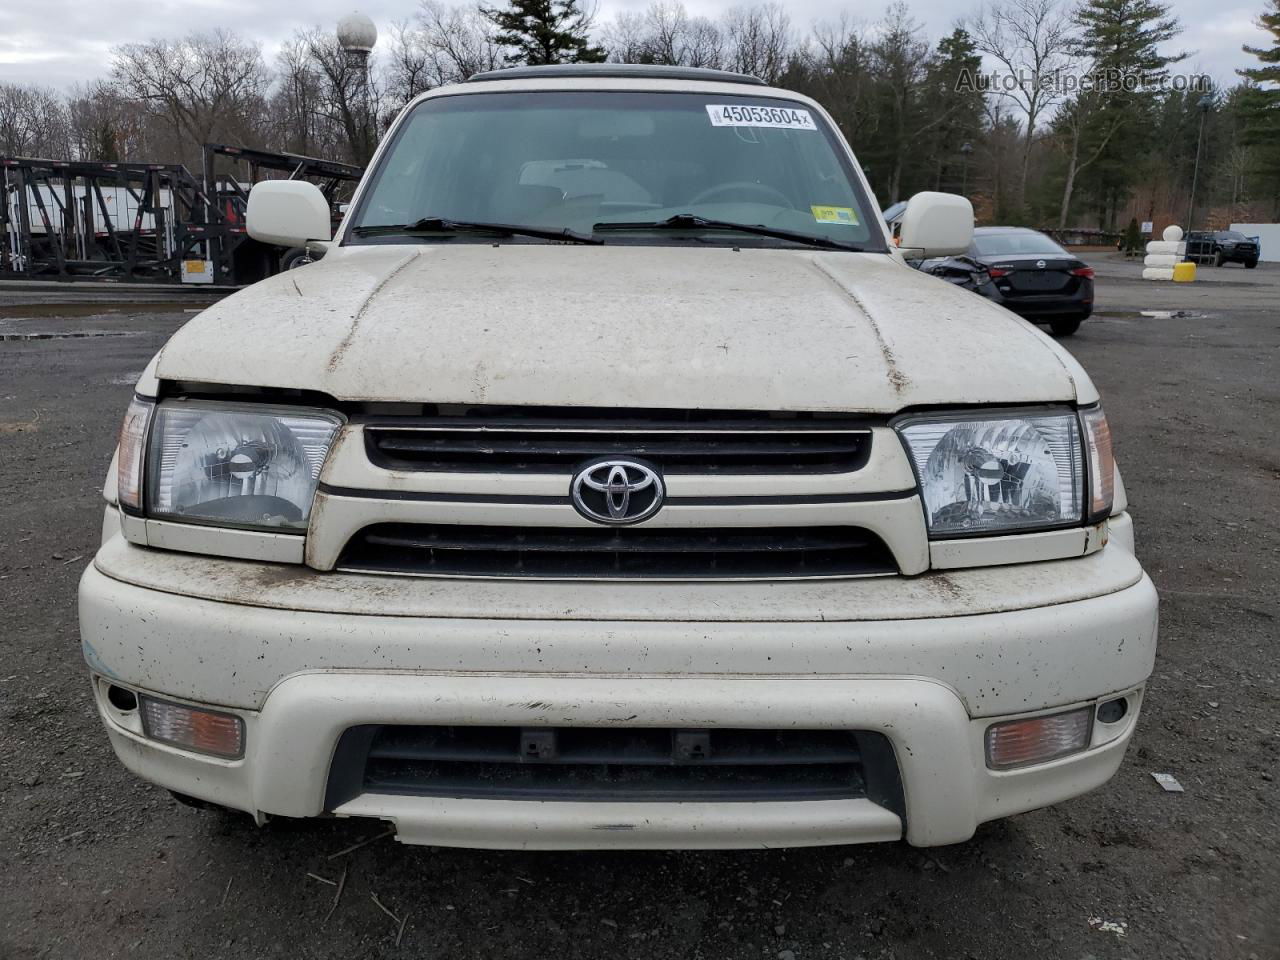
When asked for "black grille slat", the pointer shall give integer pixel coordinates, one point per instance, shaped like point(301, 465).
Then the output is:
point(779, 540)
point(575, 450)
point(722, 553)
point(643, 747)
point(773, 446)
point(600, 763)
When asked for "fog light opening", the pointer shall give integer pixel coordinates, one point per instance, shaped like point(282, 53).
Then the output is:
point(204, 731)
point(1018, 743)
point(126, 701)
point(1113, 711)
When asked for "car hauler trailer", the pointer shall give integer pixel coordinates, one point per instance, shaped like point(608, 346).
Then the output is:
point(153, 223)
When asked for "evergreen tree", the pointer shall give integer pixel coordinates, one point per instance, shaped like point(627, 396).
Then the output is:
point(1259, 105)
point(959, 103)
point(1131, 242)
point(1269, 72)
point(539, 32)
point(1121, 42)
point(105, 143)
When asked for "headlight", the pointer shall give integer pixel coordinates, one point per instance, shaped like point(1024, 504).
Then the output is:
point(237, 465)
point(997, 475)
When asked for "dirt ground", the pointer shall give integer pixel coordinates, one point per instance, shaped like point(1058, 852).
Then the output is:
point(96, 863)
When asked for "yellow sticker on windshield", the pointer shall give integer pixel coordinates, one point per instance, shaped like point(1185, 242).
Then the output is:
point(843, 215)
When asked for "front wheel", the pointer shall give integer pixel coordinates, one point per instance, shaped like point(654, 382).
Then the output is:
point(295, 257)
point(1250, 264)
point(1218, 259)
point(1065, 328)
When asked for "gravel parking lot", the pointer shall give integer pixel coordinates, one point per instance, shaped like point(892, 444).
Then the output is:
point(95, 863)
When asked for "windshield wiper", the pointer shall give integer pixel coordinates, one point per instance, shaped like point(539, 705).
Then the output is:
point(689, 221)
point(445, 225)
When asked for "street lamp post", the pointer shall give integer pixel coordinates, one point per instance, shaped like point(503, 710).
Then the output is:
point(966, 148)
point(1205, 105)
point(357, 35)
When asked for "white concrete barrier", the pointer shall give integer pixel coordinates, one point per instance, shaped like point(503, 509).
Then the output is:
point(1162, 255)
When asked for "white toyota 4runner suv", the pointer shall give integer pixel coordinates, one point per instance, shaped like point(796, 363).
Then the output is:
point(612, 482)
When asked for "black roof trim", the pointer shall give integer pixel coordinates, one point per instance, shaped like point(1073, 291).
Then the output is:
point(628, 71)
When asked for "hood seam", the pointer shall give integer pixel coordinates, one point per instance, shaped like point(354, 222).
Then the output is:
point(897, 379)
point(340, 350)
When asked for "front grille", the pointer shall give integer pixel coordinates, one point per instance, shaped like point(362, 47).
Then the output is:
point(712, 446)
point(607, 553)
point(612, 763)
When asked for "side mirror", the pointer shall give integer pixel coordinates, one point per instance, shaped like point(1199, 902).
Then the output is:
point(935, 225)
point(288, 213)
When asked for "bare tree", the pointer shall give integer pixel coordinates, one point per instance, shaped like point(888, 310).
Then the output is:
point(459, 40)
point(206, 85)
point(409, 65)
point(301, 105)
point(33, 122)
point(758, 40)
point(1031, 40)
point(1085, 114)
point(664, 32)
point(626, 38)
point(344, 97)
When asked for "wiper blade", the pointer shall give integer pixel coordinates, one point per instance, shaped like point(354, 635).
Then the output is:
point(690, 221)
point(445, 225)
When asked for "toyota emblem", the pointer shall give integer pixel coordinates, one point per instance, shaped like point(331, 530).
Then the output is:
point(1040, 264)
point(617, 491)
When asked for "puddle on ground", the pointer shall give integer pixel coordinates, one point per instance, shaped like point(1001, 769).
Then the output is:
point(1131, 315)
point(70, 335)
point(1172, 314)
point(33, 311)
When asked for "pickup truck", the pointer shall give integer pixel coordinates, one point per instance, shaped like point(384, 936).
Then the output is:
point(610, 481)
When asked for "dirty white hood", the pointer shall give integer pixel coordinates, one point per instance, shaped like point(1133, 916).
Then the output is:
point(622, 326)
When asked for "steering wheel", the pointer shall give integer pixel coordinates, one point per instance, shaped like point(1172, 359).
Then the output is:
point(774, 196)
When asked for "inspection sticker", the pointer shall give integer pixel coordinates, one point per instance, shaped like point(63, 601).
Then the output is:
point(843, 215)
point(744, 115)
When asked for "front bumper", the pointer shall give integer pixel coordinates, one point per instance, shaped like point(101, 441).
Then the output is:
point(299, 679)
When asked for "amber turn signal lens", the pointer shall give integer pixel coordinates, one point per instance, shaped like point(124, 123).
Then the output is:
point(1017, 743)
point(204, 731)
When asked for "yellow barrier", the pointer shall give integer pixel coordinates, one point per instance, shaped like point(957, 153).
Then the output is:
point(1184, 272)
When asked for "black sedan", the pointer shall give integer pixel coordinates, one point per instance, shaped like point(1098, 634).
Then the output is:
point(1026, 272)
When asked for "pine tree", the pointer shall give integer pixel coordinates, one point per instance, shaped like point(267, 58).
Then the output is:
point(952, 94)
point(1259, 103)
point(1126, 36)
point(539, 32)
point(1121, 42)
point(1269, 72)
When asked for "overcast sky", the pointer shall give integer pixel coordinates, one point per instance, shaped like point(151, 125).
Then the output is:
point(60, 42)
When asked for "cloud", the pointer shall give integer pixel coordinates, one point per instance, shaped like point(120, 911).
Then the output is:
point(61, 42)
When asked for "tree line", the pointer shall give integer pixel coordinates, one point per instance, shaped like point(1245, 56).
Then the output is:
point(1084, 122)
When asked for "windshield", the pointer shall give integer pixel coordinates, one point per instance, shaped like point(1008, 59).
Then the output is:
point(579, 159)
point(1008, 244)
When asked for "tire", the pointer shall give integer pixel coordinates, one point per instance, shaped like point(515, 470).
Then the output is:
point(1218, 259)
point(1066, 326)
point(293, 258)
point(1250, 264)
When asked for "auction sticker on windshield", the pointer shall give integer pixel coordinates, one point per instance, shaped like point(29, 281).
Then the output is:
point(843, 215)
point(745, 115)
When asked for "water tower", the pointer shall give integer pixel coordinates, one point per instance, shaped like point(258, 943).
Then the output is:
point(357, 35)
